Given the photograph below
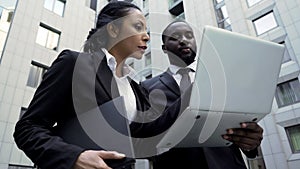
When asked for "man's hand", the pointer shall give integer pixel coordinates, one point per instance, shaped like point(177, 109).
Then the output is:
point(248, 137)
point(91, 159)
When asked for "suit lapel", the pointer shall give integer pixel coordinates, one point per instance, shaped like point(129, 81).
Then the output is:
point(167, 79)
point(105, 76)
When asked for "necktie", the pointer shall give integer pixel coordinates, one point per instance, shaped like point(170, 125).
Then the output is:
point(185, 81)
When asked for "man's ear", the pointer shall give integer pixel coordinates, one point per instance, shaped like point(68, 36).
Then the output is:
point(113, 30)
point(163, 47)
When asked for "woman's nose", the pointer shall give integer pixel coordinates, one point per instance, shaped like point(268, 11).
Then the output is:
point(146, 37)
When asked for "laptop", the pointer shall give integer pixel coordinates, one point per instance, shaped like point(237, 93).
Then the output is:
point(235, 82)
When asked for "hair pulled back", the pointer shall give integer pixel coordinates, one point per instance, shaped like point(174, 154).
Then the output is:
point(98, 36)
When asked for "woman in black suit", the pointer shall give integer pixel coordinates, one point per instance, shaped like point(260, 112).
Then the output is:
point(88, 78)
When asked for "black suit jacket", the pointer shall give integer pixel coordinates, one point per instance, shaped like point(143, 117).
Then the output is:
point(75, 83)
point(165, 91)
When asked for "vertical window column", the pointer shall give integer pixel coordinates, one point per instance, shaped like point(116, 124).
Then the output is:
point(222, 14)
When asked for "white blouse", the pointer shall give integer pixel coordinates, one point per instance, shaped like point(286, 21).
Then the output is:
point(123, 84)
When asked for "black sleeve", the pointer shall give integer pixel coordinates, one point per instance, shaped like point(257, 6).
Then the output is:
point(51, 105)
point(162, 122)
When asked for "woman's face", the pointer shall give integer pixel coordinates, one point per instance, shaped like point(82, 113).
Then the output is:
point(132, 37)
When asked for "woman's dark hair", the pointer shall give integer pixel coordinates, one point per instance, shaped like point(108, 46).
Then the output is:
point(98, 36)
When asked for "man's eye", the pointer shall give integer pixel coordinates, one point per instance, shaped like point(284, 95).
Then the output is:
point(174, 37)
point(189, 35)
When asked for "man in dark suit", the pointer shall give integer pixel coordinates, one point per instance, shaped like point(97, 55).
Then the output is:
point(180, 46)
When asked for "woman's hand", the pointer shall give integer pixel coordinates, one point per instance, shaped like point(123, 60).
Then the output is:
point(92, 159)
point(248, 137)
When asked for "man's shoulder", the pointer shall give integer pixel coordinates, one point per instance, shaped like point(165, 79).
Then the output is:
point(154, 81)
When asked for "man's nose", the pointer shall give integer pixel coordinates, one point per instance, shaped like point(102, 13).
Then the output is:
point(183, 40)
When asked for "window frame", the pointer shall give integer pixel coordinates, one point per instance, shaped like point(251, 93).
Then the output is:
point(289, 138)
point(37, 80)
point(18, 166)
point(286, 53)
point(252, 3)
point(53, 7)
point(221, 21)
point(49, 30)
point(260, 17)
point(277, 96)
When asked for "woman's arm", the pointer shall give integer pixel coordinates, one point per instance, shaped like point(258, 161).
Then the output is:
point(51, 104)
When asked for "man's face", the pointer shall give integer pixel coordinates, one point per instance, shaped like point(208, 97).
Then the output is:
point(180, 44)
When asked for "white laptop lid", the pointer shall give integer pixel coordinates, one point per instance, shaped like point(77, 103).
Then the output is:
point(235, 73)
point(235, 82)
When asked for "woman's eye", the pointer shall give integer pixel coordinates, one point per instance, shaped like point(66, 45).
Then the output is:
point(138, 27)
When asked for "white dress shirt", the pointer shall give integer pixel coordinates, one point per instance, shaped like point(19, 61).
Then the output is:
point(123, 84)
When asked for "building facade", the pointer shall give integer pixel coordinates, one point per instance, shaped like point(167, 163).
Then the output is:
point(33, 32)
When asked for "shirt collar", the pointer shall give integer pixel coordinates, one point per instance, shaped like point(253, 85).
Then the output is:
point(112, 64)
point(175, 68)
point(111, 61)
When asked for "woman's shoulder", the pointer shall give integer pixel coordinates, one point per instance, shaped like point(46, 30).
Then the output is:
point(68, 54)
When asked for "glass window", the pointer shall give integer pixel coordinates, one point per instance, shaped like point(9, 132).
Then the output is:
point(222, 15)
point(265, 23)
point(23, 110)
point(181, 16)
point(56, 6)
point(10, 15)
point(93, 5)
point(48, 4)
point(48, 37)
point(293, 134)
point(59, 7)
point(288, 93)
point(286, 56)
point(37, 70)
point(252, 2)
point(173, 2)
point(52, 40)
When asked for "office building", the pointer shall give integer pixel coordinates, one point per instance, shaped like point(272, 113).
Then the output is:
point(33, 32)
